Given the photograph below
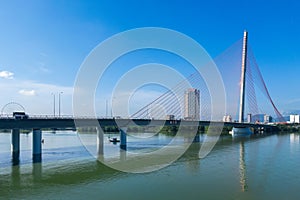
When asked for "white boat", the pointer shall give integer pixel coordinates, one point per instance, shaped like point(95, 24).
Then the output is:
point(241, 131)
point(114, 140)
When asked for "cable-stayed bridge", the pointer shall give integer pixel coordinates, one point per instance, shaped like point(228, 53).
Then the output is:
point(247, 97)
point(246, 91)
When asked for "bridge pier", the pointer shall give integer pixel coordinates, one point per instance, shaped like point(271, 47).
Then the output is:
point(37, 145)
point(15, 145)
point(196, 138)
point(123, 138)
point(100, 142)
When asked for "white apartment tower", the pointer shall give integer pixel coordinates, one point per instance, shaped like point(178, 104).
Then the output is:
point(192, 104)
point(294, 119)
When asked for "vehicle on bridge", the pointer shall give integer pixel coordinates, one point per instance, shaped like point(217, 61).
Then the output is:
point(20, 115)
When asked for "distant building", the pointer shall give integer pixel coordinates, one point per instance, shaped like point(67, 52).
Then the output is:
point(267, 119)
point(249, 118)
point(297, 119)
point(227, 118)
point(170, 117)
point(294, 119)
point(192, 104)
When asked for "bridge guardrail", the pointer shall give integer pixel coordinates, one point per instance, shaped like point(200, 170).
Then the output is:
point(10, 116)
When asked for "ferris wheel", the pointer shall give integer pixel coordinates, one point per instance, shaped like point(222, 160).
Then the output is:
point(11, 107)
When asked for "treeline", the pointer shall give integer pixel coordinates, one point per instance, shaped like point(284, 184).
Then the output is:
point(111, 129)
point(288, 128)
point(21, 130)
point(169, 130)
point(172, 130)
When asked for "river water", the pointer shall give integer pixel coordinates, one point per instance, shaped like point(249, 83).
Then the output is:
point(265, 167)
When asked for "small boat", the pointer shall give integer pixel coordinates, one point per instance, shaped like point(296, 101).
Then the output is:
point(114, 140)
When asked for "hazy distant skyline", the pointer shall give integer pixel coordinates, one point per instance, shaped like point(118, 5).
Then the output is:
point(43, 43)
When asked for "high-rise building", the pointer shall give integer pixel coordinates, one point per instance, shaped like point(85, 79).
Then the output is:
point(192, 104)
point(249, 118)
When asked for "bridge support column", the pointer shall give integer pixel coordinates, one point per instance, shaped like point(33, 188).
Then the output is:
point(123, 138)
point(15, 145)
point(196, 138)
point(100, 146)
point(37, 145)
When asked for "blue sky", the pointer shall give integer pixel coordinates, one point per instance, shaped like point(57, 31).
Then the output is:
point(43, 43)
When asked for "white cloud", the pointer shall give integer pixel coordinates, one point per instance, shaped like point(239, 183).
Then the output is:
point(6, 74)
point(27, 92)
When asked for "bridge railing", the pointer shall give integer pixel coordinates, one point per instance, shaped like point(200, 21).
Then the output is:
point(6, 116)
point(10, 116)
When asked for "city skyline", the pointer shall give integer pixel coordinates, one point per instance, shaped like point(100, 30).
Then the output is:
point(41, 53)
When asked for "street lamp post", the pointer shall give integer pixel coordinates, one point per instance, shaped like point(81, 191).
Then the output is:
point(106, 109)
point(59, 103)
point(111, 108)
point(53, 104)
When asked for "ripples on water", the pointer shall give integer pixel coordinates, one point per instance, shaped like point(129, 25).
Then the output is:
point(241, 168)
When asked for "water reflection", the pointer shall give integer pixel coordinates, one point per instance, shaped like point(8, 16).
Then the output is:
point(242, 166)
point(123, 155)
point(260, 166)
point(15, 176)
point(60, 174)
point(294, 142)
point(191, 157)
point(294, 138)
point(37, 171)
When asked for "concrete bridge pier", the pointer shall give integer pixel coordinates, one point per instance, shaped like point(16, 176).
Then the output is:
point(15, 145)
point(37, 145)
point(123, 138)
point(100, 142)
point(196, 138)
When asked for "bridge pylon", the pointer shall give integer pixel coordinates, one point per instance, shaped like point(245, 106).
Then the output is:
point(242, 130)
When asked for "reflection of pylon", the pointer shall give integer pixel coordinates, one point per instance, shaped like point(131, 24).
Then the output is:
point(243, 177)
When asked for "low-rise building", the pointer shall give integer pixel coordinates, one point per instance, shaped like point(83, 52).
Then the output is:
point(267, 119)
point(170, 117)
point(227, 118)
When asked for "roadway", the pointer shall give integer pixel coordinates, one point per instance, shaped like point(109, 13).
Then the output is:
point(71, 123)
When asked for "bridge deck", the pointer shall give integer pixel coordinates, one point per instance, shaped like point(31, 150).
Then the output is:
point(71, 123)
